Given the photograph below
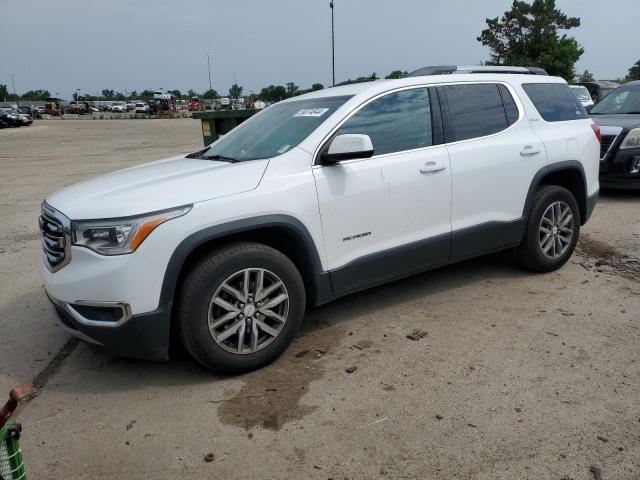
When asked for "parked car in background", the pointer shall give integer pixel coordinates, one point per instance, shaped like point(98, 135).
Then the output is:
point(141, 107)
point(600, 89)
point(583, 95)
point(119, 107)
point(77, 107)
point(32, 111)
point(195, 105)
point(314, 198)
point(5, 121)
point(619, 118)
point(25, 114)
point(225, 103)
point(15, 118)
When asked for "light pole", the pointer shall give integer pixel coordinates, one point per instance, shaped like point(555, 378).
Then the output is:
point(333, 48)
point(209, 55)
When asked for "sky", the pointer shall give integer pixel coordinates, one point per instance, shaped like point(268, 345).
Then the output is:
point(125, 45)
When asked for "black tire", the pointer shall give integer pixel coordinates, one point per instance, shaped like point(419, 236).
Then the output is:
point(199, 287)
point(529, 252)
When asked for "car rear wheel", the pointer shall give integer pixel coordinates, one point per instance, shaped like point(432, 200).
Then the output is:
point(552, 230)
point(240, 307)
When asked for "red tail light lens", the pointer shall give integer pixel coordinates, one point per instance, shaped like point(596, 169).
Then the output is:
point(596, 130)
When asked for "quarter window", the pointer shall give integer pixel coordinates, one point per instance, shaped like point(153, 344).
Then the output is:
point(555, 102)
point(477, 110)
point(396, 122)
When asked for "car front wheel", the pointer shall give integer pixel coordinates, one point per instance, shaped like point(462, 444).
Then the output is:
point(240, 307)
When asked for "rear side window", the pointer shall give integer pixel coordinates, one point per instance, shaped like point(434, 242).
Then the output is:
point(476, 110)
point(396, 122)
point(555, 102)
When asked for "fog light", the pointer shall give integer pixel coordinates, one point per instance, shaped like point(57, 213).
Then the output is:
point(635, 165)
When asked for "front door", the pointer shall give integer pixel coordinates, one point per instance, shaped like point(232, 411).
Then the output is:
point(389, 215)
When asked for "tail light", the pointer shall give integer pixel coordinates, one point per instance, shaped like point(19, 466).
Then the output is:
point(596, 130)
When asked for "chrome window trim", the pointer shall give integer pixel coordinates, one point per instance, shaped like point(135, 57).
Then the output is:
point(514, 95)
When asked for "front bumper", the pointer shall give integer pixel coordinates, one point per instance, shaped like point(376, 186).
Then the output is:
point(129, 285)
point(616, 169)
point(144, 336)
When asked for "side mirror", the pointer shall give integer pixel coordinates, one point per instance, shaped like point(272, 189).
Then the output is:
point(348, 147)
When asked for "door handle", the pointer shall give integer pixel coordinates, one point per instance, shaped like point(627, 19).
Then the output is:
point(430, 167)
point(529, 151)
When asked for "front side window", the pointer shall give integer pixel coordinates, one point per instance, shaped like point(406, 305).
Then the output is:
point(477, 110)
point(274, 131)
point(624, 100)
point(555, 102)
point(396, 122)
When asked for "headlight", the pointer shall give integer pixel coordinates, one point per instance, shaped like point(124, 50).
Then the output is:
point(120, 235)
point(632, 140)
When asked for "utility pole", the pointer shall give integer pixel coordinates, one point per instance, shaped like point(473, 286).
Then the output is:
point(13, 84)
point(209, 55)
point(333, 47)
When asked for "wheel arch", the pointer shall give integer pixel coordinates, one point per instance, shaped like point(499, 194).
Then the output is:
point(282, 232)
point(568, 174)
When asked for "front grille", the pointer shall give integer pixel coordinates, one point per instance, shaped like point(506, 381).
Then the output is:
point(605, 144)
point(55, 238)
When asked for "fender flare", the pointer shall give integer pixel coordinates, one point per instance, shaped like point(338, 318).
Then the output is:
point(195, 240)
point(551, 168)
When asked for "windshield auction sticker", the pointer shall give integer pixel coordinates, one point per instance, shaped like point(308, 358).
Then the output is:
point(311, 112)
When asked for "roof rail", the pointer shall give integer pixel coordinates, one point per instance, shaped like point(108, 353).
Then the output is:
point(454, 69)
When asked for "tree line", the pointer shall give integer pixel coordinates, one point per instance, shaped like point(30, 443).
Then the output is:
point(272, 93)
point(529, 34)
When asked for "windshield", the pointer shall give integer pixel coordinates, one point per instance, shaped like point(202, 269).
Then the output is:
point(581, 93)
point(275, 130)
point(621, 100)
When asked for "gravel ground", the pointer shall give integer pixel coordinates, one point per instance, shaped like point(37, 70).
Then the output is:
point(519, 375)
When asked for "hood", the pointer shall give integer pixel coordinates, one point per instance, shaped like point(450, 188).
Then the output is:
point(621, 120)
point(159, 185)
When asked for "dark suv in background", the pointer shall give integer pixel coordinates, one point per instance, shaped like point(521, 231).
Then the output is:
point(600, 89)
point(618, 115)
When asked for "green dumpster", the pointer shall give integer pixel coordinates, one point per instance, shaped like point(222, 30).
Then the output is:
point(215, 124)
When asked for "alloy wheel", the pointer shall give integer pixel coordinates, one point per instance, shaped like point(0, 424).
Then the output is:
point(556, 230)
point(248, 310)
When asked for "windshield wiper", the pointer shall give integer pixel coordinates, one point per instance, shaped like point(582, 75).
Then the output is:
point(222, 158)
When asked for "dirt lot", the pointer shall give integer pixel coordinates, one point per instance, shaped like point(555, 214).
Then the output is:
point(520, 375)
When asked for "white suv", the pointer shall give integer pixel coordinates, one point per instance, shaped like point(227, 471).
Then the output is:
point(314, 198)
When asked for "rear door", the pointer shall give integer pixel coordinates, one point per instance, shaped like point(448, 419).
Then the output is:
point(494, 156)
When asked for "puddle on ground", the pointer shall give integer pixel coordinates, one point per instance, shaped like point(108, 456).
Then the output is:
point(271, 396)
